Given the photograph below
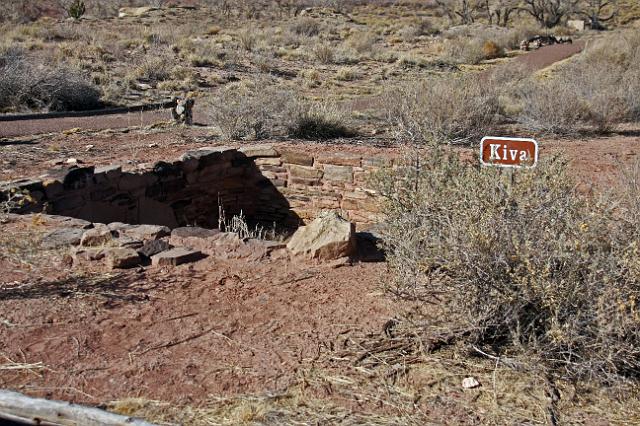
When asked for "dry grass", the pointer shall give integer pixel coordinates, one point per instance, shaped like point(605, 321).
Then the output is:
point(456, 110)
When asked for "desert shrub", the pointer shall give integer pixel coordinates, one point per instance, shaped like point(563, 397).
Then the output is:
point(25, 85)
point(491, 50)
point(596, 92)
point(247, 40)
point(257, 110)
point(154, 68)
point(316, 120)
point(422, 27)
point(76, 9)
point(324, 53)
point(307, 27)
point(518, 265)
point(454, 110)
point(551, 107)
point(464, 51)
point(362, 42)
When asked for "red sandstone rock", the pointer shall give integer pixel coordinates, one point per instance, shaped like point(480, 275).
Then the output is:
point(328, 237)
point(176, 256)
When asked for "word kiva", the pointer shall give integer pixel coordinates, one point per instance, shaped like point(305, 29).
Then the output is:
point(500, 152)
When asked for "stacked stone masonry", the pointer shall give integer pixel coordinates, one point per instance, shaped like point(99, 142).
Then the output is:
point(267, 184)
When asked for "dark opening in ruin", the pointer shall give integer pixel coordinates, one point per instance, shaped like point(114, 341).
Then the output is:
point(204, 188)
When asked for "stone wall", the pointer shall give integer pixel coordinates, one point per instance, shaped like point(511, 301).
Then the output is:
point(268, 184)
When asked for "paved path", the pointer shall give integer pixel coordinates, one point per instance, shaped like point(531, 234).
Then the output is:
point(548, 55)
point(535, 60)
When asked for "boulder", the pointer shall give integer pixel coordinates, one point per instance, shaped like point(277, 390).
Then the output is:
point(328, 237)
point(97, 236)
point(151, 248)
point(122, 258)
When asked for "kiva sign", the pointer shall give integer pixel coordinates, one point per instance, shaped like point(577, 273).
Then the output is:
point(508, 152)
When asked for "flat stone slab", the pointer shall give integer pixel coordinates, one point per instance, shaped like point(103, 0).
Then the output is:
point(176, 256)
point(145, 232)
point(63, 237)
point(122, 258)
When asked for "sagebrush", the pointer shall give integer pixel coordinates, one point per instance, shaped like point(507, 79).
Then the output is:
point(518, 264)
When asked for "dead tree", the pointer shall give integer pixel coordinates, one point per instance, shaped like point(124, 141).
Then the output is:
point(460, 11)
point(499, 12)
point(598, 11)
point(549, 13)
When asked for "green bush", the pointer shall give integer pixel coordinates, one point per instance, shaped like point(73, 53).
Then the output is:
point(519, 264)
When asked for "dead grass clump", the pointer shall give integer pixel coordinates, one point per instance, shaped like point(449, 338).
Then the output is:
point(324, 53)
point(491, 50)
point(317, 120)
point(521, 268)
point(307, 27)
point(454, 110)
point(464, 51)
point(154, 68)
point(25, 85)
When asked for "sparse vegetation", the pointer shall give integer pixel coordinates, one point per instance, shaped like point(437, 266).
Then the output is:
point(522, 266)
point(25, 85)
point(456, 111)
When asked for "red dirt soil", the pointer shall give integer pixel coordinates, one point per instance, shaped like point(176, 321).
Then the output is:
point(181, 334)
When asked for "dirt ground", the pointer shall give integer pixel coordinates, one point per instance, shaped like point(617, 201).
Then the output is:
point(147, 333)
point(218, 329)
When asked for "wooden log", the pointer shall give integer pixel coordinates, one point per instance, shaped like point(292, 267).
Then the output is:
point(23, 409)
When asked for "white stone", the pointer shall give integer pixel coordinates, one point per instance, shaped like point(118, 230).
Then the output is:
point(470, 383)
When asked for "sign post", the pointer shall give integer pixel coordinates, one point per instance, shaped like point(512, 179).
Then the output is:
point(508, 152)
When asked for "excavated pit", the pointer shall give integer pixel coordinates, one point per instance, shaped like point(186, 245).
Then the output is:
point(275, 189)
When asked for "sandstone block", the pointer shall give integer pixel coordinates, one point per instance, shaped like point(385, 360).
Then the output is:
point(328, 237)
point(339, 159)
point(305, 172)
point(254, 151)
point(146, 232)
point(338, 173)
point(297, 157)
point(176, 256)
point(122, 258)
point(97, 236)
point(275, 161)
point(62, 237)
point(151, 248)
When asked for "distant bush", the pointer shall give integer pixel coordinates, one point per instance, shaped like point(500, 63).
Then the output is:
point(324, 53)
point(456, 110)
point(519, 266)
point(25, 85)
point(254, 112)
point(314, 120)
point(490, 50)
point(308, 27)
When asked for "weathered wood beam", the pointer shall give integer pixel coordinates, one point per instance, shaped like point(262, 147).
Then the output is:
point(38, 411)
